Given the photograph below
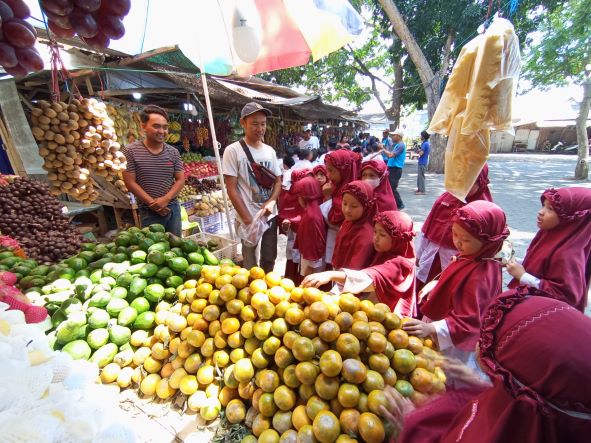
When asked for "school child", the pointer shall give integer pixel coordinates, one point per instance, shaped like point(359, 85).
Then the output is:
point(390, 278)
point(558, 260)
point(342, 167)
point(453, 308)
point(376, 174)
point(435, 246)
point(539, 391)
point(322, 176)
point(289, 216)
point(311, 237)
point(354, 243)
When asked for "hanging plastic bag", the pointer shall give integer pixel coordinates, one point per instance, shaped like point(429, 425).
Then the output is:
point(251, 234)
point(465, 156)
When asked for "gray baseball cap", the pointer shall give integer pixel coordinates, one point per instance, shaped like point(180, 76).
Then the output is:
point(251, 108)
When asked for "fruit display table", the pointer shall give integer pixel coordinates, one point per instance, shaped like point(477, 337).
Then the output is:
point(73, 209)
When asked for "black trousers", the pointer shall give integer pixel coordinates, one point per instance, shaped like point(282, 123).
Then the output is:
point(395, 173)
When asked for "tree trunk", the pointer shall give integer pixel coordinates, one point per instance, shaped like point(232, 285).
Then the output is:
point(582, 168)
point(393, 113)
point(428, 78)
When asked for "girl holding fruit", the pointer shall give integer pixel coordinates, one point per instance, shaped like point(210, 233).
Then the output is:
point(353, 246)
point(391, 276)
point(311, 238)
point(452, 309)
point(558, 260)
point(538, 392)
point(342, 167)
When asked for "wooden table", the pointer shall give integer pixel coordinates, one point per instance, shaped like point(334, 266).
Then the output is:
point(75, 208)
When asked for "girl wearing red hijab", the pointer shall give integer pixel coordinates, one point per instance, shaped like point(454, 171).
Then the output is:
point(290, 213)
point(540, 390)
point(311, 238)
point(453, 308)
point(321, 175)
point(558, 260)
point(342, 167)
point(391, 275)
point(435, 247)
point(376, 174)
point(354, 243)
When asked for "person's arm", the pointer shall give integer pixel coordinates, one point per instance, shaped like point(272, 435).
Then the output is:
point(322, 278)
point(132, 185)
point(176, 188)
point(394, 153)
point(272, 201)
point(232, 188)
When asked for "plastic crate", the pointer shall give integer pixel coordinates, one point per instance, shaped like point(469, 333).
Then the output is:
point(228, 247)
point(211, 224)
point(188, 205)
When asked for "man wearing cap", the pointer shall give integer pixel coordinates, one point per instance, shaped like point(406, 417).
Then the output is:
point(309, 142)
point(395, 161)
point(246, 194)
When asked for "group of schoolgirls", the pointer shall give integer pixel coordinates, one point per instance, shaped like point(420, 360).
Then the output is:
point(356, 240)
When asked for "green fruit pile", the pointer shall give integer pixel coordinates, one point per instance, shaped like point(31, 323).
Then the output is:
point(99, 297)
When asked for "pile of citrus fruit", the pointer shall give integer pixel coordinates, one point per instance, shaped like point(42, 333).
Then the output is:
point(293, 363)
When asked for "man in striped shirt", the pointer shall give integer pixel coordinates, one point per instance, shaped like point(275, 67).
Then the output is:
point(155, 172)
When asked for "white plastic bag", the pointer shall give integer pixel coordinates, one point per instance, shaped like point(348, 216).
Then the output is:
point(251, 234)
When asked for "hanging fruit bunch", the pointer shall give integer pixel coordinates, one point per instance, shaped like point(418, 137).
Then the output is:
point(18, 56)
point(74, 140)
point(96, 22)
point(174, 132)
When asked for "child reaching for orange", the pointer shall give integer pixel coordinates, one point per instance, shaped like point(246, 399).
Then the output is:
point(353, 246)
point(311, 238)
point(452, 310)
point(391, 275)
point(558, 260)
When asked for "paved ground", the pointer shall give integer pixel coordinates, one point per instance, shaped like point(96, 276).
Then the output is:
point(517, 181)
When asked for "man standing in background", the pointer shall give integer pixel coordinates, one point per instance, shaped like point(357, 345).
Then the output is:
point(309, 142)
point(396, 158)
point(423, 162)
point(155, 172)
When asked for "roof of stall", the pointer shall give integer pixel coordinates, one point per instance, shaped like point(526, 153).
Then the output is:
point(166, 77)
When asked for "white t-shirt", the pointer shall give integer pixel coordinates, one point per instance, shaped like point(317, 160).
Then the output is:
point(377, 156)
point(235, 164)
point(303, 164)
point(312, 143)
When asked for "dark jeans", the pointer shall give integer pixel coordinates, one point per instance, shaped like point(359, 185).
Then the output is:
point(421, 178)
point(268, 249)
point(171, 222)
point(395, 174)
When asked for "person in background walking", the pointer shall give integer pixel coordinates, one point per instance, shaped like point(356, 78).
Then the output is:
point(396, 156)
point(423, 162)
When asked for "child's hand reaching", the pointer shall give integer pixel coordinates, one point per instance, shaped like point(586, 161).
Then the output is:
point(419, 328)
point(515, 269)
point(285, 225)
point(317, 280)
point(397, 407)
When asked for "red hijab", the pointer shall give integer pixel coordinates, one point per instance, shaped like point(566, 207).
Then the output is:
point(561, 257)
point(468, 284)
point(383, 192)
point(437, 227)
point(354, 243)
point(348, 163)
point(393, 272)
point(289, 208)
point(311, 238)
point(536, 350)
point(320, 169)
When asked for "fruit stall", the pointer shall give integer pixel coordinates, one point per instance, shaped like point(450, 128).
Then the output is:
point(175, 321)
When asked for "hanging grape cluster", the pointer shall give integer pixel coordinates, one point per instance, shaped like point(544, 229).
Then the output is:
point(18, 56)
point(96, 22)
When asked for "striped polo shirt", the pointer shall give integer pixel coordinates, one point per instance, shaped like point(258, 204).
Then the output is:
point(153, 172)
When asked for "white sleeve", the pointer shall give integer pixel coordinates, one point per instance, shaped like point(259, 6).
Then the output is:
point(275, 167)
point(230, 162)
point(530, 280)
point(443, 335)
point(287, 179)
point(357, 281)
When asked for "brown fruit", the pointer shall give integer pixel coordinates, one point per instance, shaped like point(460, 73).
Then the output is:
point(308, 328)
point(318, 312)
point(376, 342)
point(360, 329)
point(348, 345)
point(326, 387)
point(267, 380)
point(329, 331)
point(398, 338)
point(284, 398)
point(415, 345)
point(373, 381)
point(376, 399)
point(349, 419)
point(314, 405)
point(349, 303)
point(306, 372)
point(345, 321)
point(379, 362)
point(303, 349)
point(235, 411)
point(267, 406)
point(348, 395)
point(404, 361)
